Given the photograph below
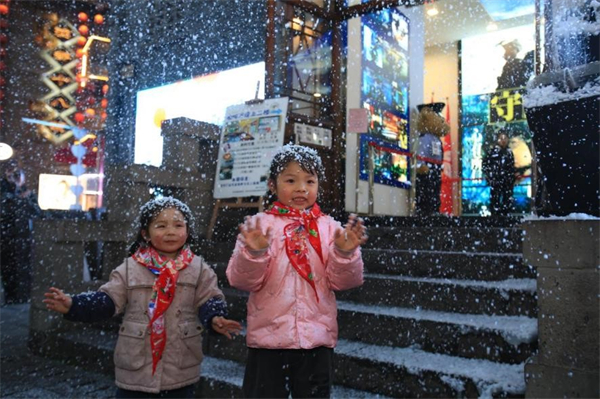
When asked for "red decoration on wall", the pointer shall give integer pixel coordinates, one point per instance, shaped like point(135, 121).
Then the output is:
point(79, 117)
point(4, 9)
point(84, 30)
point(83, 17)
point(99, 19)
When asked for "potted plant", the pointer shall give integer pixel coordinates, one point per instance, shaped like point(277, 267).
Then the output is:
point(562, 107)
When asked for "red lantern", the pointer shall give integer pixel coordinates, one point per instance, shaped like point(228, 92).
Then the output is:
point(3, 39)
point(4, 9)
point(83, 29)
point(99, 19)
point(104, 103)
point(90, 112)
point(79, 53)
point(81, 41)
point(83, 17)
point(79, 117)
point(103, 115)
point(104, 89)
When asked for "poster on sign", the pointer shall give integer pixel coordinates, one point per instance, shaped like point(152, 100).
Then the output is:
point(251, 135)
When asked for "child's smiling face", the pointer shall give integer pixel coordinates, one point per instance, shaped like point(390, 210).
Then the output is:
point(295, 187)
point(167, 232)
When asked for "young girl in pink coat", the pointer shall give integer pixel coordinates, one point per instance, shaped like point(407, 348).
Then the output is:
point(291, 258)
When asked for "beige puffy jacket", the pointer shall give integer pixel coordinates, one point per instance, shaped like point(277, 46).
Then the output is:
point(130, 288)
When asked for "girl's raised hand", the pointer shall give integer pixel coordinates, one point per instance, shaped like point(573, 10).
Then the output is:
point(225, 326)
point(57, 300)
point(252, 236)
point(352, 235)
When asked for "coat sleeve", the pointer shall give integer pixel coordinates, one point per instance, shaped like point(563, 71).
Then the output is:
point(90, 307)
point(246, 271)
point(342, 272)
point(207, 287)
point(116, 288)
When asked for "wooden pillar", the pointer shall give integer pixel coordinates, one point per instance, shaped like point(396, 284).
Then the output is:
point(337, 111)
point(270, 50)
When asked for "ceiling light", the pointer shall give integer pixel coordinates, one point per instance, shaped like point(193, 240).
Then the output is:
point(6, 151)
point(433, 11)
point(491, 26)
point(317, 94)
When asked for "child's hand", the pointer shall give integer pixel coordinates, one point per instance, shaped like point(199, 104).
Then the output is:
point(352, 236)
point(57, 300)
point(225, 326)
point(252, 236)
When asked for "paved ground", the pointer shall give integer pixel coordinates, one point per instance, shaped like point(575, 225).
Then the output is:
point(23, 375)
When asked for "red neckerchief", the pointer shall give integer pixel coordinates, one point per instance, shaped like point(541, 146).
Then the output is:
point(304, 226)
point(163, 292)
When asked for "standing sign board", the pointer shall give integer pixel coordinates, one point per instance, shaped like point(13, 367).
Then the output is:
point(251, 135)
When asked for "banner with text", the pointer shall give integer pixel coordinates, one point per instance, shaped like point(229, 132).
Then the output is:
point(251, 135)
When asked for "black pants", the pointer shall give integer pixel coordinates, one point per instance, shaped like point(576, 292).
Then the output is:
point(428, 192)
point(501, 197)
point(277, 373)
point(184, 392)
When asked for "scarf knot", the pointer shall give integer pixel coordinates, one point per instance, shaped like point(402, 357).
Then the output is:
point(302, 230)
point(163, 291)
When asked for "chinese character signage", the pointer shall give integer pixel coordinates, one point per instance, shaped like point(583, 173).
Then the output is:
point(384, 94)
point(251, 134)
point(495, 68)
point(507, 106)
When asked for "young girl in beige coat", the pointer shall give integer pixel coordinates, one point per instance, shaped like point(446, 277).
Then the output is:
point(165, 291)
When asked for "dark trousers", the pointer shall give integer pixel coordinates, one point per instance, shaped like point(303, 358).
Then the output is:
point(501, 197)
point(277, 373)
point(184, 392)
point(428, 192)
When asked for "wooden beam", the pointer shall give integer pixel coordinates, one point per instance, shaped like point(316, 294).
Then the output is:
point(270, 50)
point(311, 8)
point(374, 6)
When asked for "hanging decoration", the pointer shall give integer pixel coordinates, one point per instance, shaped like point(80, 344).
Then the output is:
point(4, 11)
point(75, 109)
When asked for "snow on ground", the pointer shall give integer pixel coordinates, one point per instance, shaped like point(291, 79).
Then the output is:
point(546, 95)
point(489, 377)
point(519, 284)
point(514, 329)
point(433, 252)
point(570, 216)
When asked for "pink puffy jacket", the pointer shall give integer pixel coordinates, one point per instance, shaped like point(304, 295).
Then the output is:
point(283, 312)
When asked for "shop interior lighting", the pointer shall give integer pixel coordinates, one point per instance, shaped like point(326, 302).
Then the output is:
point(432, 11)
point(84, 60)
point(6, 151)
point(491, 26)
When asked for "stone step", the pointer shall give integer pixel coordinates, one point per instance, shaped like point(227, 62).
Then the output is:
point(485, 239)
point(506, 339)
point(407, 372)
point(452, 265)
point(404, 372)
point(468, 240)
point(424, 263)
point(512, 297)
point(223, 379)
